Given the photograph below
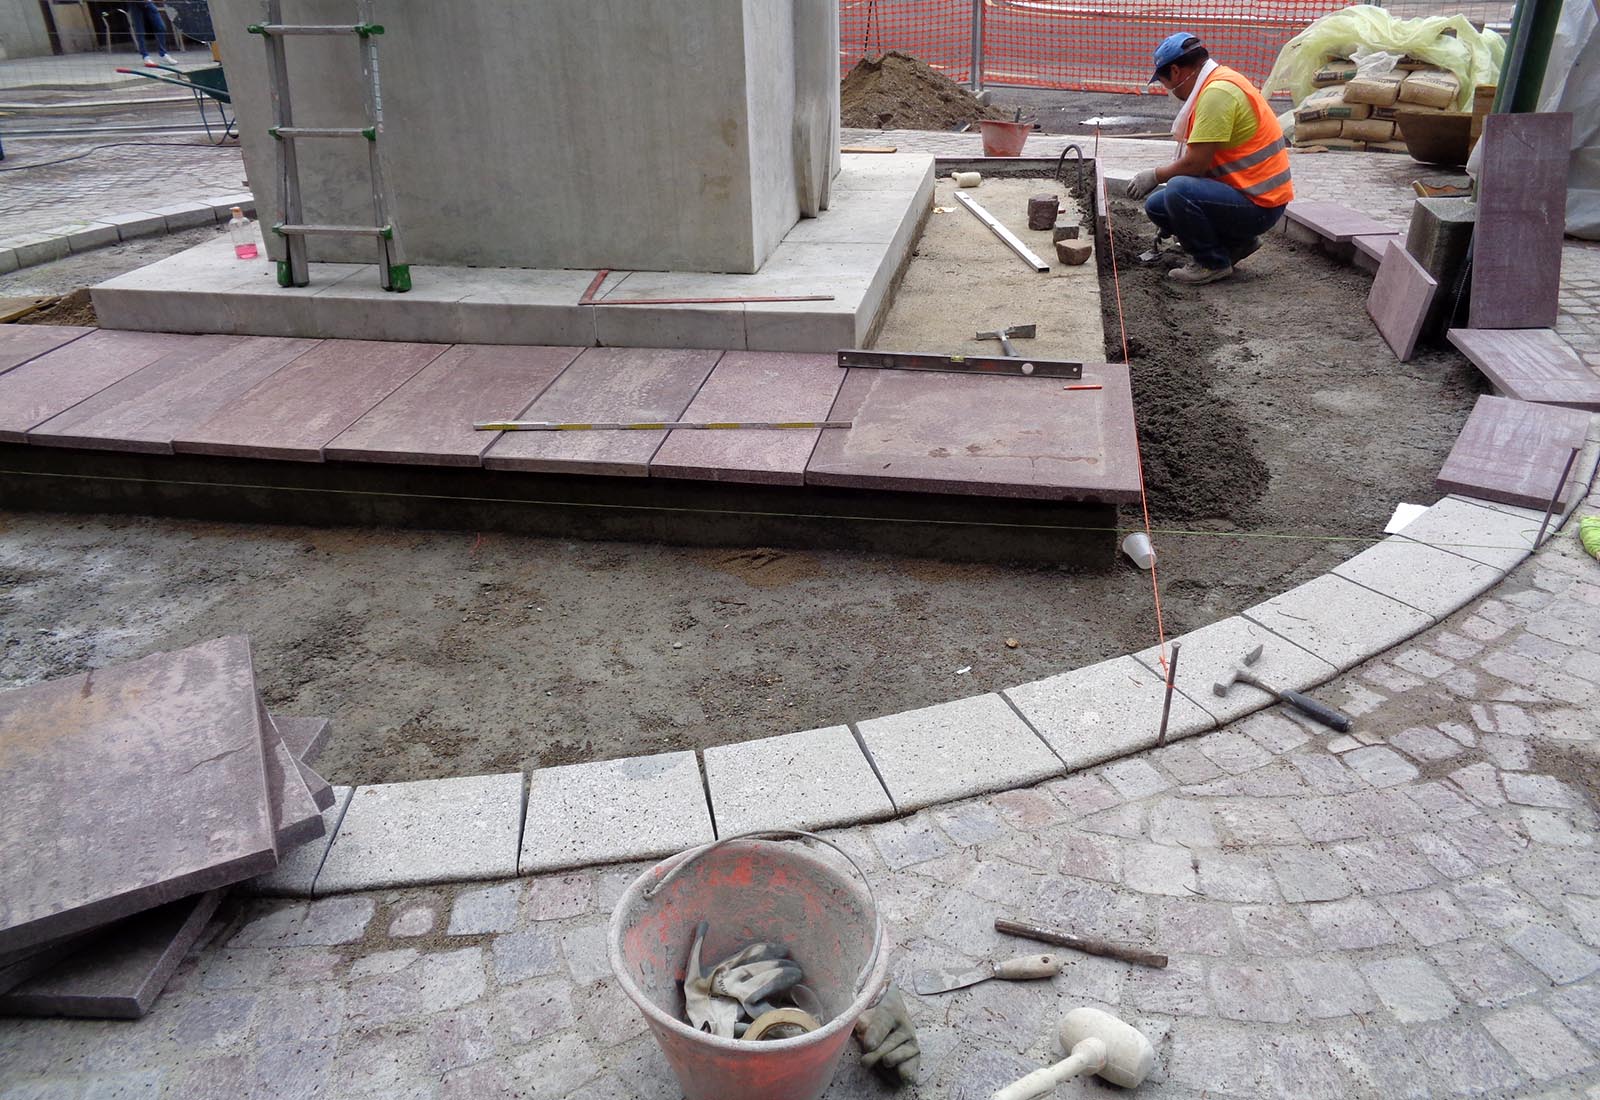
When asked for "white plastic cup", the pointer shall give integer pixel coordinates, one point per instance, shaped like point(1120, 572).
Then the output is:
point(1137, 546)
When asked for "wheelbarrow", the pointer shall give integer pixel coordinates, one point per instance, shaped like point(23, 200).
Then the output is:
point(206, 84)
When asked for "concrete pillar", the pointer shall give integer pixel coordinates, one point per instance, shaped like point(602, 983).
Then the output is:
point(559, 133)
point(1439, 237)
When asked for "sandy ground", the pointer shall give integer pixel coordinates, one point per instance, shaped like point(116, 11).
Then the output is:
point(1278, 430)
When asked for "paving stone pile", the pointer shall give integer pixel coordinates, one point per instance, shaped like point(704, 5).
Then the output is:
point(130, 797)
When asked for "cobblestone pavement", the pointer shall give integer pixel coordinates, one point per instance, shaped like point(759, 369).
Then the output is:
point(1410, 912)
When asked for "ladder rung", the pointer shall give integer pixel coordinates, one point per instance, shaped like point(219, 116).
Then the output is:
point(334, 230)
point(281, 29)
point(368, 132)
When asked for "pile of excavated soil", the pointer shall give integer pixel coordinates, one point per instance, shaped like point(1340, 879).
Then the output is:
point(71, 309)
point(899, 92)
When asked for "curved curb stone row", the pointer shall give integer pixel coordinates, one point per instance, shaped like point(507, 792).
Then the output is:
point(639, 808)
point(32, 249)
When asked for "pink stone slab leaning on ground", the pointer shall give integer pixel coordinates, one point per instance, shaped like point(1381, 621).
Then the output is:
point(296, 411)
point(1532, 364)
point(147, 410)
point(983, 435)
point(1402, 293)
point(746, 386)
point(605, 384)
point(20, 343)
point(1514, 452)
point(1522, 205)
point(1334, 221)
point(54, 382)
point(428, 421)
point(130, 786)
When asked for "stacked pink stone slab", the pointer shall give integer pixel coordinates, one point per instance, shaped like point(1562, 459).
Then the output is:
point(130, 797)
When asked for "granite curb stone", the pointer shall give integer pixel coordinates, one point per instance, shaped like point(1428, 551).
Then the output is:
point(296, 873)
point(1430, 580)
point(811, 780)
point(1209, 654)
point(1338, 620)
point(611, 811)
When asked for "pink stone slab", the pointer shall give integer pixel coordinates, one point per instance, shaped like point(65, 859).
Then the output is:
point(1513, 452)
point(1401, 294)
point(296, 818)
point(321, 790)
point(19, 343)
point(605, 384)
point(1533, 364)
point(172, 396)
point(46, 386)
point(296, 412)
point(745, 386)
point(1334, 221)
point(1522, 204)
point(989, 436)
point(130, 786)
point(428, 421)
point(122, 970)
point(306, 737)
point(1373, 245)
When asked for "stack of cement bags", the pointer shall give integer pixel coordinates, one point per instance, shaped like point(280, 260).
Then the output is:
point(130, 798)
point(1350, 110)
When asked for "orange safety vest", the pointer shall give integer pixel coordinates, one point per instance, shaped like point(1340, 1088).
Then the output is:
point(1260, 166)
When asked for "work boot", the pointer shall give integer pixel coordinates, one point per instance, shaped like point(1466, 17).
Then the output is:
point(1240, 251)
point(1195, 273)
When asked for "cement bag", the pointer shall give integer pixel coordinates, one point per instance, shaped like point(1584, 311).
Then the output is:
point(1367, 129)
point(1316, 130)
point(1474, 56)
point(1336, 71)
point(1329, 103)
point(1388, 147)
point(1431, 89)
point(1379, 91)
point(1390, 113)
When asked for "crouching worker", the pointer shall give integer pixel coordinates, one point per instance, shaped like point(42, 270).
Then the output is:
point(1230, 183)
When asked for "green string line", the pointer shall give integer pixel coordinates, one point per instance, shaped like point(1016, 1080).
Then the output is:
point(1174, 531)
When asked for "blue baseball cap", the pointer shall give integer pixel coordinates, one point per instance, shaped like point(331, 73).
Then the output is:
point(1173, 47)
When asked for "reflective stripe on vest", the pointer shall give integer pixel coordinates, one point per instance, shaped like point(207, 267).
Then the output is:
point(1259, 167)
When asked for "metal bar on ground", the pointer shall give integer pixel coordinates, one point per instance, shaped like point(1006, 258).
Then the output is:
point(1166, 705)
point(961, 364)
point(658, 425)
point(1555, 498)
point(1011, 240)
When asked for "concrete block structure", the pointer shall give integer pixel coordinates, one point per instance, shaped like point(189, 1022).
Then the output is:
point(680, 135)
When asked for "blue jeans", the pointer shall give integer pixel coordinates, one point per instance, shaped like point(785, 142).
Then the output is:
point(144, 19)
point(1210, 219)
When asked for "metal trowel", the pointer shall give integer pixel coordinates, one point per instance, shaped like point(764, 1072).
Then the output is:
point(1020, 969)
point(1153, 253)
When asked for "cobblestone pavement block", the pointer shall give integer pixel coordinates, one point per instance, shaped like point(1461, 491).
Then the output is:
point(1338, 620)
point(1104, 711)
point(641, 807)
point(956, 749)
point(1209, 654)
point(1432, 581)
point(485, 909)
point(811, 780)
point(296, 873)
point(431, 830)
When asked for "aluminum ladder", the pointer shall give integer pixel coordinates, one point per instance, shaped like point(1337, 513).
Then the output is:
point(393, 271)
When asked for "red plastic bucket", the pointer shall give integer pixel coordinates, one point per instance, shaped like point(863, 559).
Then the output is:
point(749, 890)
point(1004, 139)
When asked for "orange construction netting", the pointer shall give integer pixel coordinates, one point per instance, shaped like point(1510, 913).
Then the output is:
point(1083, 45)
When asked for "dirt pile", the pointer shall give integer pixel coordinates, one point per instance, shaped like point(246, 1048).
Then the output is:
point(72, 309)
point(899, 92)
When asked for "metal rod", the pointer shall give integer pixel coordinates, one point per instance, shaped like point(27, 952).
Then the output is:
point(975, 65)
point(657, 425)
point(1009, 238)
point(1166, 706)
point(1555, 498)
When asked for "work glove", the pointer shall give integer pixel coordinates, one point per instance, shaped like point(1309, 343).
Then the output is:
point(706, 1012)
point(888, 1039)
point(756, 982)
point(1142, 184)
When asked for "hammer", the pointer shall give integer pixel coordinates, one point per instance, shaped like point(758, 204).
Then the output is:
point(1298, 700)
point(1021, 332)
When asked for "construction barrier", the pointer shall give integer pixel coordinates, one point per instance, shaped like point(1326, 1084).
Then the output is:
point(1090, 45)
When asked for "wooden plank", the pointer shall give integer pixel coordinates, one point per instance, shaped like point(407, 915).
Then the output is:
point(1401, 295)
point(605, 384)
point(1533, 364)
point(750, 385)
point(47, 386)
point(1513, 452)
point(1522, 204)
point(428, 421)
point(150, 408)
point(1010, 437)
point(297, 411)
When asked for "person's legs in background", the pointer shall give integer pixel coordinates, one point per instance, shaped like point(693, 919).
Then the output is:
point(144, 20)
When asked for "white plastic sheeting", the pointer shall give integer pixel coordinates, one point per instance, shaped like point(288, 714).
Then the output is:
point(1572, 83)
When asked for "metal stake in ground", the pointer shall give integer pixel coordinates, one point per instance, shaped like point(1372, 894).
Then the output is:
point(1166, 705)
